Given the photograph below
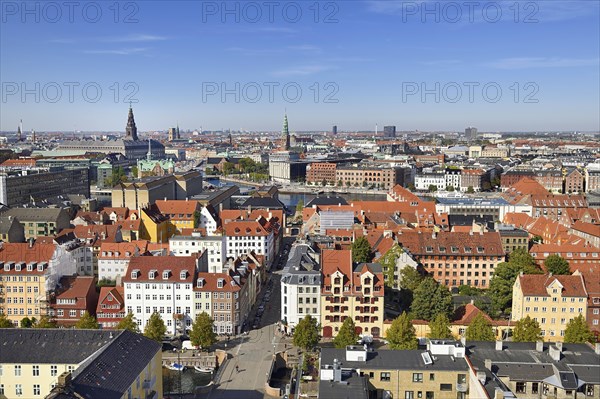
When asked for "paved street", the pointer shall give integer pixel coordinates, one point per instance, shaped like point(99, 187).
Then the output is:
point(252, 353)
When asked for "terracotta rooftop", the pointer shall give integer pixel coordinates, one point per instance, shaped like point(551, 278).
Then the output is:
point(537, 284)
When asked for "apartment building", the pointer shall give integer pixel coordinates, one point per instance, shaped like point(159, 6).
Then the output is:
point(525, 370)
point(580, 256)
point(439, 372)
point(75, 296)
point(513, 238)
point(111, 306)
point(319, 172)
point(424, 180)
point(114, 257)
point(490, 151)
point(592, 286)
point(28, 274)
point(456, 258)
point(182, 213)
point(60, 363)
point(39, 222)
point(348, 291)
point(366, 176)
point(31, 185)
point(574, 181)
point(592, 176)
point(301, 285)
point(161, 284)
point(11, 230)
point(472, 178)
point(259, 236)
point(215, 246)
point(550, 300)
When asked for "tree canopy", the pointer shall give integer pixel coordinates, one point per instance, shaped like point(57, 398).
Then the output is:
point(155, 329)
point(410, 278)
point(128, 323)
point(578, 331)
point(505, 274)
point(306, 333)
point(45, 322)
point(203, 334)
point(480, 330)
point(556, 265)
point(87, 321)
point(5, 322)
point(361, 250)
point(388, 263)
point(26, 322)
point(401, 334)
point(527, 330)
point(439, 327)
point(430, 299)
point(346, 335)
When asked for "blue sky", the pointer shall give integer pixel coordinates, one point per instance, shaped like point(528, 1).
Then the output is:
point(357, 63)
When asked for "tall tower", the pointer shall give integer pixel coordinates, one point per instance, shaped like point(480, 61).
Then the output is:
point(178, 136)
point(32, 136)
point(131, 129)
point(285, 134)
point(149, 155)
point(20, 131)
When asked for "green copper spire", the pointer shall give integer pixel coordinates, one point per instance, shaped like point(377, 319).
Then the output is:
point(285, 133)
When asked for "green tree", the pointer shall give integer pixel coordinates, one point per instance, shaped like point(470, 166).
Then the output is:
point(300, 206)
point(228, 168)
point(155, 329)
point(450, 188)
point(306, 333)
point(361, 250)
point(26, 322)
point(203, 334)
point(439, 327)
point(324, 182)
point(480, 329)
point(197, 217)
point(556, 264)
point(45, 322)
point(388, 263)
point(467, 290)
point(430, 299)
point(87, 321)
point(346, 335)
point(410, 278)
point(470, 190)
point(348, 184)
point(527, 330)
point(432, 188)
point(5, 322)
point(578, 331)
point(118, 176)
point(506, 273)
point(401, 334)
point(128, 323)
point(134, 171)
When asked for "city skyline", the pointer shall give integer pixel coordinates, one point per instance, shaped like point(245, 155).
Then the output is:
point(357, 65)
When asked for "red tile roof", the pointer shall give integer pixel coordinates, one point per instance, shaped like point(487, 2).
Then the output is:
point(537, 284)
point(178, 207)
point(159, 264)
point(122, 250)
point(22, 252)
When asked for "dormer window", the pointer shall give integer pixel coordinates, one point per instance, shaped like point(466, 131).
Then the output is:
point(454, 249)
point(182, 275)
point(152, 274)
point(117, 253)
point(220, 283)
point(480, 250)
point(7, 267)
point(200, 283)
point(428, 249)
point(127, 253)
point(18, 267)
point(134, 274)
point(30, 267)
point(165, 274)
point(40, 267)
point(468, 249)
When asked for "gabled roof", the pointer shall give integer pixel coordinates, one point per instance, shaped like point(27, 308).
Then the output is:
point(177, 207)
point(159, 264)
point(23, 252)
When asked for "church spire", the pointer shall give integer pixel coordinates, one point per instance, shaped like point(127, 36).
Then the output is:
point(131, 129)
point(149, 155)
point(285, 133)
point(20, 131)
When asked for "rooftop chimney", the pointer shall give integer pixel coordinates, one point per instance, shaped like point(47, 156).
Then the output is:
point(597, 348)
point(499, 345)
point(488, 364)
point(539, 346)
point(555, 352)
point(64, 379)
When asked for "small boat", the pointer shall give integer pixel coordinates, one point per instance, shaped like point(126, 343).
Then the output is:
point(204, 369)
point(175, 367)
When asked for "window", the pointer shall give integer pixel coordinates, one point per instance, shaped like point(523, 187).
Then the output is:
point(53, 371)
point(17, 370)
point(521, 387)
point(36, 389)
point(431, 377)
point(36, 371)
point(409, 394)
point(18, 389)
point(417, 377)
point(445, 387)
point(534, 387)
point(589, 390)
point(384, 376)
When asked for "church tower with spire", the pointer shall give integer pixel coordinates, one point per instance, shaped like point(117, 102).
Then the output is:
point(131, 129)
point(285, 134)
point(20, 131)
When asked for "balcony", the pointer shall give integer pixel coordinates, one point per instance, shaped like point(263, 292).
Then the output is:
point(462, 387)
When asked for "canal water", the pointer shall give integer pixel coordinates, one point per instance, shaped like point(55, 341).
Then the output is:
point(190, 379)
point(290, 200)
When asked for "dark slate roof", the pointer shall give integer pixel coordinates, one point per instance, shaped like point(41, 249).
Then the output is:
point(352, 386)
point(263, 202)
point(59, 346)
point(302, 266)
point(115, 369)
point(322, 201)
point(6, 223)
point(394, 360)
